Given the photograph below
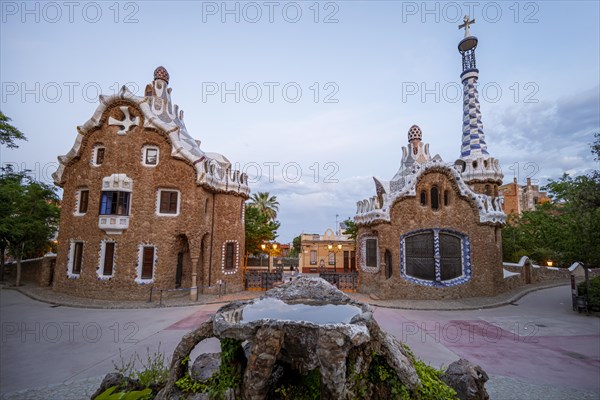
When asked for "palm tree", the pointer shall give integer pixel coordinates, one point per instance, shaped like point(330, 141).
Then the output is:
point(265, 203)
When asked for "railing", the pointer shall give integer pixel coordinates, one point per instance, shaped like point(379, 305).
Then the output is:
point(161, 291)
point(262, 280)
point(345, 281)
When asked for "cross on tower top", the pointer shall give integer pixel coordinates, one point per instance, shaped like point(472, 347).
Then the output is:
point(466, 25)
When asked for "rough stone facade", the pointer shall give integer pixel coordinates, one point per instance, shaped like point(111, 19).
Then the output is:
point(408, 215)
point(188, 231)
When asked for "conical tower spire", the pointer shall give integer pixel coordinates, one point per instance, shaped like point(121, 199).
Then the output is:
point(473, 139)
point(477, 165)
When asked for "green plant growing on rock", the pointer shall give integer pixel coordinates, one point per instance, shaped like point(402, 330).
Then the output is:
point(154, 370)
point(108, 394)
point(381, 373)
point(301, 387)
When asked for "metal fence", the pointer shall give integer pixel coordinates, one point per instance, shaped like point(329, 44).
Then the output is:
point(262, 280)
point(345, 281)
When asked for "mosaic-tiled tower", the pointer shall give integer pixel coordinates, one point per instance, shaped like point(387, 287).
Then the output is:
point(479, 170)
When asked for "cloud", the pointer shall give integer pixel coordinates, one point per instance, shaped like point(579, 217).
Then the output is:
point(545, 139)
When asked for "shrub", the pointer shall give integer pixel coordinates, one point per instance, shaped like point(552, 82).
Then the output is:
point(593, 297)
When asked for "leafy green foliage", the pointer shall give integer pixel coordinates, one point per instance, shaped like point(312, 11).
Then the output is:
point(432, 386)
point(301, 387)
point(296, 247)
point(29, 215)
point(594, 296)
point(8, 133)
point(259, 229)
point(351, 228)
point(154, 371)
point(265, 204)
point(134, 395)
point(188, 385)
point(381, 372)
point(565, 230)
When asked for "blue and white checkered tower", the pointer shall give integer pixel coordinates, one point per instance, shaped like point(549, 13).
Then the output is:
point(475, 161)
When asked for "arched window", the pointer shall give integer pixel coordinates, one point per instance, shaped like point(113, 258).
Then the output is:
point(446, 197)
point(435, 198)
point(435, 257)
point(423, 198)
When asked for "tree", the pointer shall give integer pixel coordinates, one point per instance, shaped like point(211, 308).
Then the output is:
point(29, 216)
point(259, 229)
point(351, 228)
point(8, 133)
point(565, 230)
point(265, 203)
point(296, 247)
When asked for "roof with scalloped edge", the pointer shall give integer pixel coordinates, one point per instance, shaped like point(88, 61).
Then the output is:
point(213, 170)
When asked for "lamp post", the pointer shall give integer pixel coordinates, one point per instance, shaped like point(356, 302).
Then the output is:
point(270, 249)
point(334, 249)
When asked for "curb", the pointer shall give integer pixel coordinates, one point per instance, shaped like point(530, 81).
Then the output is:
point(140, 306)
point(426, 304)
point(509, 300)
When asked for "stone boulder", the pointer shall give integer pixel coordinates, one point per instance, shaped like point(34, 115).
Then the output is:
point(115, 379)
point(205, 366)
point(467, 379)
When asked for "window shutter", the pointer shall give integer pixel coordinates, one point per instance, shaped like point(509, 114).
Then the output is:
point(147, 262)
point(371, 256)
point(83, 201)
point(450, 256)
point(420, 262)
point(77, 257)
point(229, 255)
point(109, 252)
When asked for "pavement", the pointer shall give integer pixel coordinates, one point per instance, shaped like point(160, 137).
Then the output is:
point(534, 347)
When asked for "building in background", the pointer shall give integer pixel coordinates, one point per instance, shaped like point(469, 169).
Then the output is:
point(519, 198)
point(328, 252)
point(143, 206)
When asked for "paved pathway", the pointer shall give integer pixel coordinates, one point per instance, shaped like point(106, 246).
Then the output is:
point(536, 349)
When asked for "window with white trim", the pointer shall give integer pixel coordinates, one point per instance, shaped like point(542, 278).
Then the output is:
point(114, 203)
point(82, 197)
point(150, 156)
point(98, 155)
point(313, 257)
point(331, 260)
point(369, 254)
point(75, 258)
point(168, 202)
point(435, 257)
point(146, 263)
point(107, 259)
point(230, 257)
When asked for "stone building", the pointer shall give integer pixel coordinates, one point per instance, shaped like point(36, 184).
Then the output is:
point(143, 206)
point(519, 198)
point(434, 230)
point(328, 252)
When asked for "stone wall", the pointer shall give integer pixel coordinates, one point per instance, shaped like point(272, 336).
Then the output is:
point(459, 215)
point(36, 270)
point(188, 232)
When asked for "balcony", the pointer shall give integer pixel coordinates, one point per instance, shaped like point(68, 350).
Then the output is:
point(113, 224)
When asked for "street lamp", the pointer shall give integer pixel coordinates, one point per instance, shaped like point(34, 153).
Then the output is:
point(334, 249)
point(271, 250)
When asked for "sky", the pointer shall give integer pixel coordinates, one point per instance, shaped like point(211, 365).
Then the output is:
point(312, 99)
